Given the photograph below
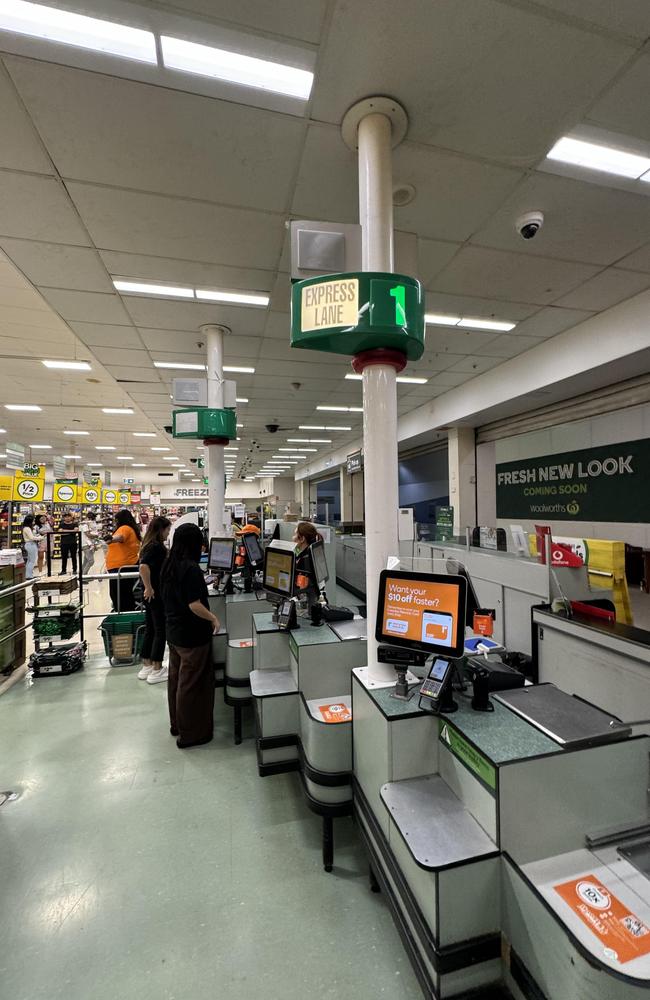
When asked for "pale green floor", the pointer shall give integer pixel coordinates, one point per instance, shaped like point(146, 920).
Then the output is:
point(130, 869)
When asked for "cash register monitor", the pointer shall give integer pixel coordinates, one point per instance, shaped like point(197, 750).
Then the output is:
point(253, 549)
point(319, 563)
point(423, 611)
point(279, 569)
point(221, 557)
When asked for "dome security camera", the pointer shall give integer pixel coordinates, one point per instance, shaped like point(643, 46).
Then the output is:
point(529, 225)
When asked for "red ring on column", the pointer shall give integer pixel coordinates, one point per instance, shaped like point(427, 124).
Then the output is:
point(379, 356)
point(209, 441)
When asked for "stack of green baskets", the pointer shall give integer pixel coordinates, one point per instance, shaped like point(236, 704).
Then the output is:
point(127, 623)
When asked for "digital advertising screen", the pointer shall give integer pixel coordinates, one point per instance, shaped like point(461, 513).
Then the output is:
point(423, 611)
point(278, 571)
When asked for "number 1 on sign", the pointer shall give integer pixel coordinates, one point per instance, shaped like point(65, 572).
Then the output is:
point(399, 294)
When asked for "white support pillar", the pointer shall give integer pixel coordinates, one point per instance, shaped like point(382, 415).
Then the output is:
point(377, 122)
point(462, 477)
point(214, 336)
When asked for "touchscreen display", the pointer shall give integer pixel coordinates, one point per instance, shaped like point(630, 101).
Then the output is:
point(426, 612)
point(253, 548)
point(438, 670)
point(277, 571)
point(221, 553)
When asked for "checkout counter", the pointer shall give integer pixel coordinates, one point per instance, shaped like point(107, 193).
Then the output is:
point(513, 845)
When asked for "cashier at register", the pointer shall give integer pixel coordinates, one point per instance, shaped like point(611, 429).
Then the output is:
point(304, 535)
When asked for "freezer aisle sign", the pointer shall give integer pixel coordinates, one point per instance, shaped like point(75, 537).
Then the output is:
point(354, 313)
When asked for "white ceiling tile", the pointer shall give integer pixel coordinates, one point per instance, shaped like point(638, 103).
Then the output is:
point(622, 107)
point(326, 186)
point(22, 298)
point(481, 272)
point(120, 356)
point(469, 305)
point(86, 306)
point(172, 315)
point(508, 345)
point(433, 255)
point(32, 323)
point(186, 272)
point(58, 266)
point(606, 289)
point(105, 334)
point(219, 152)
point(449, 379)
point(170, 227)
point(37, 208)
point(629, 17)
point(474, 365)
point(170, 341)
point(294, 18)
point(637, 261)
point(20, 147)
point(550, 321)
point(441, 339)
point(124, 374)
point(584, 222)
point(477, 56)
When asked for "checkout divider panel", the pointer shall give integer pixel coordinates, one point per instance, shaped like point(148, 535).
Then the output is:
point(371, 753)
point(480, 801)
point(548, 804)
point(423, 884)
point(470, 899)
point(584, 665)
point(413, 747)
point(327, 746)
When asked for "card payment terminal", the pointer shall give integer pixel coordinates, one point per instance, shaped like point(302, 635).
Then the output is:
point(435, 683)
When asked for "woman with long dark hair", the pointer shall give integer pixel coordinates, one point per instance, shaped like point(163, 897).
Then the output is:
point(152, 557)
point(190, 627)
point(122, 553)
point(30, 544)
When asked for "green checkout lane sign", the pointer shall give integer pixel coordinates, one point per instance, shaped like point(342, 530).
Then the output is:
point(351, 313)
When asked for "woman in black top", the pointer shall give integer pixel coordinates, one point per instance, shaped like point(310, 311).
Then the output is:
point(69, 528)
point(152, 556)
point(190, 627)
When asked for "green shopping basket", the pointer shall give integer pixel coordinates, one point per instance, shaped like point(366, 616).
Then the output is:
point(123, 635)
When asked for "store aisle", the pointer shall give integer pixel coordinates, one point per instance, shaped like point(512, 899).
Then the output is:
point(130, 869)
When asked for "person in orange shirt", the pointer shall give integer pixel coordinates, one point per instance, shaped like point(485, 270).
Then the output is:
point(122, 552)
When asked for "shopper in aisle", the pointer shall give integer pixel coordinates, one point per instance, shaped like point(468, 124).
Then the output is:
point(69, 528)
point(43, 529)
point(190, 627)
point(89, 541)
point(30, 543)
point(152, 557)
point(122, 553)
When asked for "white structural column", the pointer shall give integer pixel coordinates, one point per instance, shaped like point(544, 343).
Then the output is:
point(214, 336)
point(462, 477)
point(379, 385)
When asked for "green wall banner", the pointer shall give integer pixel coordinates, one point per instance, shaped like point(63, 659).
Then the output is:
point(608, 483)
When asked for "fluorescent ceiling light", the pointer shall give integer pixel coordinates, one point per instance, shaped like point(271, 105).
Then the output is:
point(39, 21)
point(596, 157)
point(77, 433)
point(149, 288)
point(232, 447)
point(242, 371)
point(2, 430)
point(138, 465)
point(23, 407)
point(137, 434)
point(235, 298)
point(233, 67)
point(117, 409)
point(241, 399)
point(105, 447)
point(437, 320)
point(96, 465)
point(184, 366)
point(156, 447)
point(321, 427)
point(170, 458)
point(73, 366)
point(310, 440)
point(298, 449)
point(40, 447)
point(72, 456)
point(342, 409)
point(467, 323)
point(239, 425)
point(124, 458)
point(486, 324)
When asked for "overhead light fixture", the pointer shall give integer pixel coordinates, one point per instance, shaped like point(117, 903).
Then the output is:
point(150, 288)
point(52, 25)
point(117, 409)
point(40, 447)
point(184, 366)
point(105, 447)
point(241, 399)
point(137, 434)
point(233, 298)
point(77, 433)
point(232, 447)
point(592, 155)
point(236, 368)
point(72, 456)
point(156, 447)
point(298, 449)
point(404, 379)
point(23, 407)
point(96, 465)
point(321, 427)
point(310, 440)
point(138, 465)
point(233, 67)
point(124, 458)
point(342, 409)
point(73, 366)
point(467, 323)
point(170, 458)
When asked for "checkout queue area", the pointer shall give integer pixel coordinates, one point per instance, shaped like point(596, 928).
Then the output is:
point(324, 524)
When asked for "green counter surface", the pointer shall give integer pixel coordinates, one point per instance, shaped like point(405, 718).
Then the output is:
point(501, 735)
point(243, 598)
point(312, 635)
point(264, 623)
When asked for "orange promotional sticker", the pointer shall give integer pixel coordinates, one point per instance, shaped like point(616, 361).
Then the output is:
point(621, 932)
point(335, 713)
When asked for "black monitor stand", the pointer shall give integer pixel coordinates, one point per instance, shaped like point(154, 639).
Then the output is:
point(401, 658)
